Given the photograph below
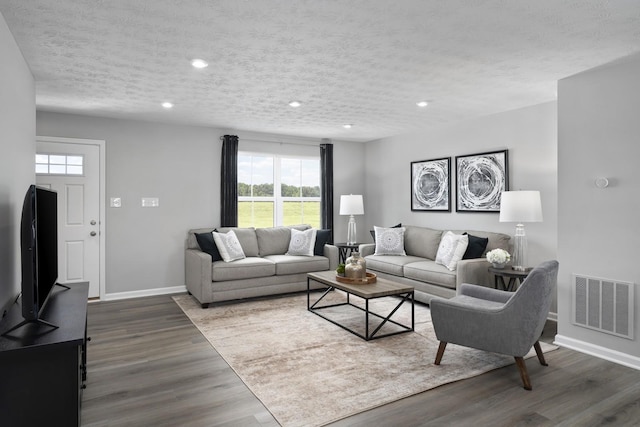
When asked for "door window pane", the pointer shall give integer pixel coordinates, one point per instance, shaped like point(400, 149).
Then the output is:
point(74, 160)
point(57, 169)
point(57, 160)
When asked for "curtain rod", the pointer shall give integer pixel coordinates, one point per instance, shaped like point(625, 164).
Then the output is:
point(309, 144)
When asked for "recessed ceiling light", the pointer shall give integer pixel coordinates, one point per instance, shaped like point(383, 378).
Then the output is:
point(199, 63)
point(167, 105)
point(422, 104)
point(295, 104)
point(347, 126)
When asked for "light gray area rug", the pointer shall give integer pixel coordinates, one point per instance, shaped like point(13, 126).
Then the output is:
point(309, 372)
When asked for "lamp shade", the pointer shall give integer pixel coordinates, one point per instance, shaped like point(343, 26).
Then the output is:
point(520, 206)
point(351, 204)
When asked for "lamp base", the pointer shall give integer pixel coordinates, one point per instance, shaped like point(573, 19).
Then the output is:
point(351, 231)
point(519, 261)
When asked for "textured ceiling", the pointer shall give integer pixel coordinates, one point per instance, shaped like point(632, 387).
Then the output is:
point(365, 62)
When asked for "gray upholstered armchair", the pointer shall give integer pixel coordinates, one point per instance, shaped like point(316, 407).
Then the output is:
point(498, 321)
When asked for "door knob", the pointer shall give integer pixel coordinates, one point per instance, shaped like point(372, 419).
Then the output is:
point(93, 222)
point(93, 233)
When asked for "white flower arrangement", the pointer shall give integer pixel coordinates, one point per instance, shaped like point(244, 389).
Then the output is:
point(498, 256)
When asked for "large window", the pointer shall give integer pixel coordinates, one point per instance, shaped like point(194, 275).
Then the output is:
point(278, 190)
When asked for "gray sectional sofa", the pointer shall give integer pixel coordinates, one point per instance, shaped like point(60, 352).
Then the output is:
point(266, 270)
point(419, 269)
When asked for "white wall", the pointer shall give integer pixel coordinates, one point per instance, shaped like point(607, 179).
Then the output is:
point(178, 164)
point(599, 135)
point(17, 145)
point(530, 135)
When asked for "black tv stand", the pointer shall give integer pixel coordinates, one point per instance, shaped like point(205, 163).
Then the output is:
point(37, 320)
point(43, 370)
point(26, 322)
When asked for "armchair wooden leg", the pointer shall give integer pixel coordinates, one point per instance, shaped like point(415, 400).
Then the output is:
point(440, 353)
point(523, 373)
point(540, 354)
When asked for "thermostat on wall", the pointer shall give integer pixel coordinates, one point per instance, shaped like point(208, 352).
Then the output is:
point(602, 182)
point(150, 202)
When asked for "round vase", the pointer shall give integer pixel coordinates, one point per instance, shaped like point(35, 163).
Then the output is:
point(355, 267)
point(498, 265)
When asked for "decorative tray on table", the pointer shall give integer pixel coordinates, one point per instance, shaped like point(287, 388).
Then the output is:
point(371, 278)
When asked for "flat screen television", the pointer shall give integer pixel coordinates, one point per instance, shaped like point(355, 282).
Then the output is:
point(39, 249)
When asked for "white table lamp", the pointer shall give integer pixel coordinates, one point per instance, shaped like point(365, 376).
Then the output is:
point(351, 205)
point(520, 207)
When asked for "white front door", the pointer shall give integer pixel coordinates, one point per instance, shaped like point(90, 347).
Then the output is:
point(73, 171)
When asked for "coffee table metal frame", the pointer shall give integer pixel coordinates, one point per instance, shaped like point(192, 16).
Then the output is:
point(382, 288)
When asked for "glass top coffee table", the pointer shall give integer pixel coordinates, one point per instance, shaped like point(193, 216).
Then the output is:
point(380, 289)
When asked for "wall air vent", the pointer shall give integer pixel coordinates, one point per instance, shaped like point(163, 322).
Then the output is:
point(603, 305)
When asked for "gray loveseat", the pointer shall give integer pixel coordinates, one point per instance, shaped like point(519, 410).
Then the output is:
point(266, 270)
point(419, 269)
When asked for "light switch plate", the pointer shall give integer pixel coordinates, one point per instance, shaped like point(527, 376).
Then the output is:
point(150, 202)
point(116, 202)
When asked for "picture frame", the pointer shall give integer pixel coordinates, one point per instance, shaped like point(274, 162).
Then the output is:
point(431, 185)
point(480, 180)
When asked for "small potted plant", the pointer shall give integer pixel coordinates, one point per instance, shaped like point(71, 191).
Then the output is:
point(498, 257)
point(340, 270)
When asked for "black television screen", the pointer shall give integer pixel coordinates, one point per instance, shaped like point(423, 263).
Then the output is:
point(39, 247)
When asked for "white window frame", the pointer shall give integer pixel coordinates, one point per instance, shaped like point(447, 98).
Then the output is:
point(67, 165)
point(277, 198)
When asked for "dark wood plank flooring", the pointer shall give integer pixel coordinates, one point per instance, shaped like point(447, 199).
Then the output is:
point(149, 366)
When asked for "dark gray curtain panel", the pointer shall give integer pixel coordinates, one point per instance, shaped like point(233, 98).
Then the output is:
point(326, 187)
point(229, 182)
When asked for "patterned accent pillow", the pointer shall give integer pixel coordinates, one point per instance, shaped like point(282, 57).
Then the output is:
point(373, 232)
point(451, 249)
point(228, 245)
point(302, 242)
point(389, 241)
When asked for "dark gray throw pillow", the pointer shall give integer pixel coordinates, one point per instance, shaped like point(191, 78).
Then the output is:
point(206, 243)
point(476, 246)
point(322, 237)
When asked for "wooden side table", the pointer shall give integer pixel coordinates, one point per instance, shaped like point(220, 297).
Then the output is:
point(345, 250)
point(515, 277)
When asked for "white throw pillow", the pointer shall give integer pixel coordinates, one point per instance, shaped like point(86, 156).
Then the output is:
point(302, 242)
point(389, 241)
point(451, 249)
point(228, 246)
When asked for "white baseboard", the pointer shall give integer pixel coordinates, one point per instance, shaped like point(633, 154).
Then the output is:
point(553, 316)
point(598, 351)
point(144, 293)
